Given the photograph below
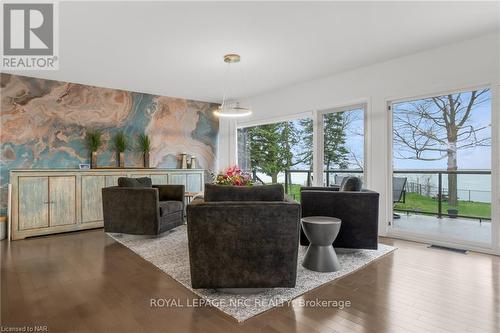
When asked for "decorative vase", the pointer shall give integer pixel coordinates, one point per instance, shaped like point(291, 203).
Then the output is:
point(146, 160)
point(193, 162)
point(184, 161)
point(93, 160)
point(121, 159)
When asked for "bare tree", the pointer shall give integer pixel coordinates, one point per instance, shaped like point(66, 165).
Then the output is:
point(356, 161)
point(437, 128)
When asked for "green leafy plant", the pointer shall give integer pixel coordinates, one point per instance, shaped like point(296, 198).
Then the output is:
point(144, 143)
point(121, 142)
point(94, 139)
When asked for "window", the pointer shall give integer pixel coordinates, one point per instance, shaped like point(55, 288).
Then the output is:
point(277, 151)
point(343, 143)
point(442, 153)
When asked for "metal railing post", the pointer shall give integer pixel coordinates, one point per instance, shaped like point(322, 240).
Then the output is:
point(440, 194)
point(327, 178)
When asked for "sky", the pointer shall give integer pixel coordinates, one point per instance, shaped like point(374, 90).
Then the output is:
point(474, 158)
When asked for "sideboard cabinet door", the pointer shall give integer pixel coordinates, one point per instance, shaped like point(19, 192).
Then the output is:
point(33, 203)
point(62, 195)
point(92, 198)
point(194, 183)
point(159, 179)
point(177, 178)
point(112, 180)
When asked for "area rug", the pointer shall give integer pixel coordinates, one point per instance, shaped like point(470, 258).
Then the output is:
point(169, 252)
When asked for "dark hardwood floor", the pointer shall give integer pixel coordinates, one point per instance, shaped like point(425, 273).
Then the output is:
point(86, 282)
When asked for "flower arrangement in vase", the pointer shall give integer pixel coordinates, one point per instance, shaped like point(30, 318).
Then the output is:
point(233, 176)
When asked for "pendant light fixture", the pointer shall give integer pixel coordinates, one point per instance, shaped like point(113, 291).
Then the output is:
point(231, 109)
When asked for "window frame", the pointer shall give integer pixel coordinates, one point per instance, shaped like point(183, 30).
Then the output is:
point(319, 148)
point(494, 245)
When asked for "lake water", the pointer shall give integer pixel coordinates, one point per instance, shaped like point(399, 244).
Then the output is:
point(470, 187)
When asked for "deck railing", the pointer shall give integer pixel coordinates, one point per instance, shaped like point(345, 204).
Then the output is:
point(440, 193)
point(437, 192)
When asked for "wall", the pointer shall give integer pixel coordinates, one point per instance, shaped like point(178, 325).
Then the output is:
point(43, 125)
point(462, 65)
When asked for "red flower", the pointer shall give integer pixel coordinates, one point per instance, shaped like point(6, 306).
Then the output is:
point(234, 176)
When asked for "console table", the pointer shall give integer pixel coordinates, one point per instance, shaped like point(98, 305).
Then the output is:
point(50, 201)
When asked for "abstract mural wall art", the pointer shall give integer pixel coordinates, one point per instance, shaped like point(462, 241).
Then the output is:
point(43, 125)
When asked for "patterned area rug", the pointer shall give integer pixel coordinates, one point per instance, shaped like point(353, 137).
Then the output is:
point(169, 252)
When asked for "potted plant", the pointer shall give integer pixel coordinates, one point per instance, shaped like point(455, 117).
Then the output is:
point(121, 145)
point(94, 142)
point(145, 148)
point(453, 212)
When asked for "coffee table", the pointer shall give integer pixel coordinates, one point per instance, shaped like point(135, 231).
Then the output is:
point(190, 195)
point(321, 232)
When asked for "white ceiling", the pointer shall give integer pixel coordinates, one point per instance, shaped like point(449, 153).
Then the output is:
point(176, 49)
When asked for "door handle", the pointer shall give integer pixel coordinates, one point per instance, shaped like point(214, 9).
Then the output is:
point(49, 202)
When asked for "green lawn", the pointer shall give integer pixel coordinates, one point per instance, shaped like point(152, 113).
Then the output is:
point(423, 203)
point(426, 204)
point(295, 191)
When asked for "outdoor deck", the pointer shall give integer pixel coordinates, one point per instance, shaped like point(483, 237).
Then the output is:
point(457, 229)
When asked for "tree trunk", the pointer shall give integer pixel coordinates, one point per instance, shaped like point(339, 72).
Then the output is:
point(274, 177)
point(452, 178)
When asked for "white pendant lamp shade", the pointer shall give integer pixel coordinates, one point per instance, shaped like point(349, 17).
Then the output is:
point(225, 110)
point(231, 109)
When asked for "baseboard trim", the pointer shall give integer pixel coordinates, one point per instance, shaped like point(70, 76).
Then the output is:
point(446, 248)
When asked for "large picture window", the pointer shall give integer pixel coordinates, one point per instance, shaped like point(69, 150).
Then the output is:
point(275, 152)
point(343, 143)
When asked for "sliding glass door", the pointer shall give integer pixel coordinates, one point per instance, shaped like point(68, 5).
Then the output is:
point(442, 167)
